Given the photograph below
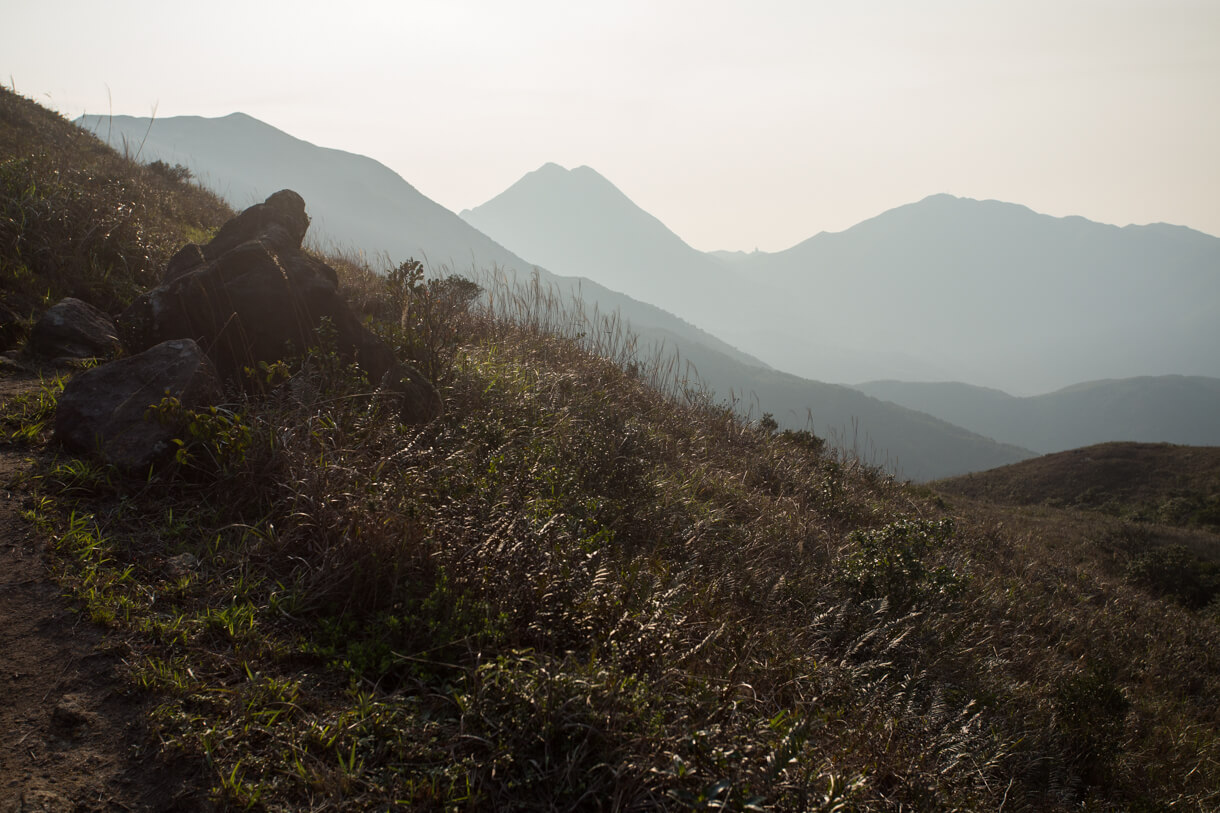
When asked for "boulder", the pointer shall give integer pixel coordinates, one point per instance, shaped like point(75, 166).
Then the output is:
point(105, 410)
point(252, 295)
point(278, 223)
point(73, 329)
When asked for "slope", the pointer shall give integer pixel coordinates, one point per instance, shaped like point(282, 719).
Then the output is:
point(1162, 482)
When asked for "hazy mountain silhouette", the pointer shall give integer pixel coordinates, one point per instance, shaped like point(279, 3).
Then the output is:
point(944, 289)
point(358, 203)
point(995, 294)
point(1161, 409)
point(578, 221)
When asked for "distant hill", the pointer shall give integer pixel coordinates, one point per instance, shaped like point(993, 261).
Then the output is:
point(358, 203)
point(1178, 485)
point(1159, 409)
point(993, 294)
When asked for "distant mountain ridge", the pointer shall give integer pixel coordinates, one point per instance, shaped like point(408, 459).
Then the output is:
point(358, 203)
point(1161, 409)
point(945, 288)
point(1002, 296)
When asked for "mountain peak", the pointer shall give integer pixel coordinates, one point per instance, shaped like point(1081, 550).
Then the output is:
point(578, 221)
point(561, 177)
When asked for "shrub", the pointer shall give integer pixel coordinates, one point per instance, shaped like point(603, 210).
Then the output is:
point(174, 174)
point(1176, 573)
point(428, 315)
point(888, 563)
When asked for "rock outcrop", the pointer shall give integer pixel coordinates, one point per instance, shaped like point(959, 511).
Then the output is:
point(73, 329)
point(105, 410)
point(252, 295)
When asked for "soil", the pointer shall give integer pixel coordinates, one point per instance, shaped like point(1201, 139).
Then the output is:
point(71, 726)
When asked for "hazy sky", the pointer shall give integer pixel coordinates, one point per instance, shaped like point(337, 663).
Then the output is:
point(739, 124)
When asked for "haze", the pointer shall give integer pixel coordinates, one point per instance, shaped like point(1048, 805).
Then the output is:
point(740, 125)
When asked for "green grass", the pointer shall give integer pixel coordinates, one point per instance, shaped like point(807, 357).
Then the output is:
point(77, 219)
point(591, 585)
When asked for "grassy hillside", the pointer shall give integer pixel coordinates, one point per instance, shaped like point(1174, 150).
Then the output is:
point(1150, 482)
point(77, 219)
point(1169, 495)
point(578, 591)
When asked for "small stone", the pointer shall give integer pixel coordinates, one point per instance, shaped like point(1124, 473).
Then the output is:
point(71, 714)
point(182, 565)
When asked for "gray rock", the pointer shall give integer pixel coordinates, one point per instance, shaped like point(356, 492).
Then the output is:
point(104, 410)
point(181, 566)
point(73, 329)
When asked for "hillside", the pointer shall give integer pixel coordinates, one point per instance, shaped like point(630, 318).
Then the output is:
point(1151, 409)
point(1177, 485)
point(357, 202)
point(568, 591)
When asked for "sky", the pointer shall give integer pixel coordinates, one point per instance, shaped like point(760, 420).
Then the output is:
point(740, 125)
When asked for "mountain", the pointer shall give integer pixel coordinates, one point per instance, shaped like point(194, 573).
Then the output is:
point(994, 294)
point(358, 203)
point(578, 221)
point(1154, 409)
point(943, 289)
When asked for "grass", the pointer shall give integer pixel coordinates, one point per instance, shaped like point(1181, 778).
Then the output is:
point(590, 585)
point(77, 219)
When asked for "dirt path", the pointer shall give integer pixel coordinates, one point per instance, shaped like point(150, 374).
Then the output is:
point(71, 735)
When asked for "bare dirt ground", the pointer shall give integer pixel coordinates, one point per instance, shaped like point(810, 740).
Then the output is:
point(71, 728)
